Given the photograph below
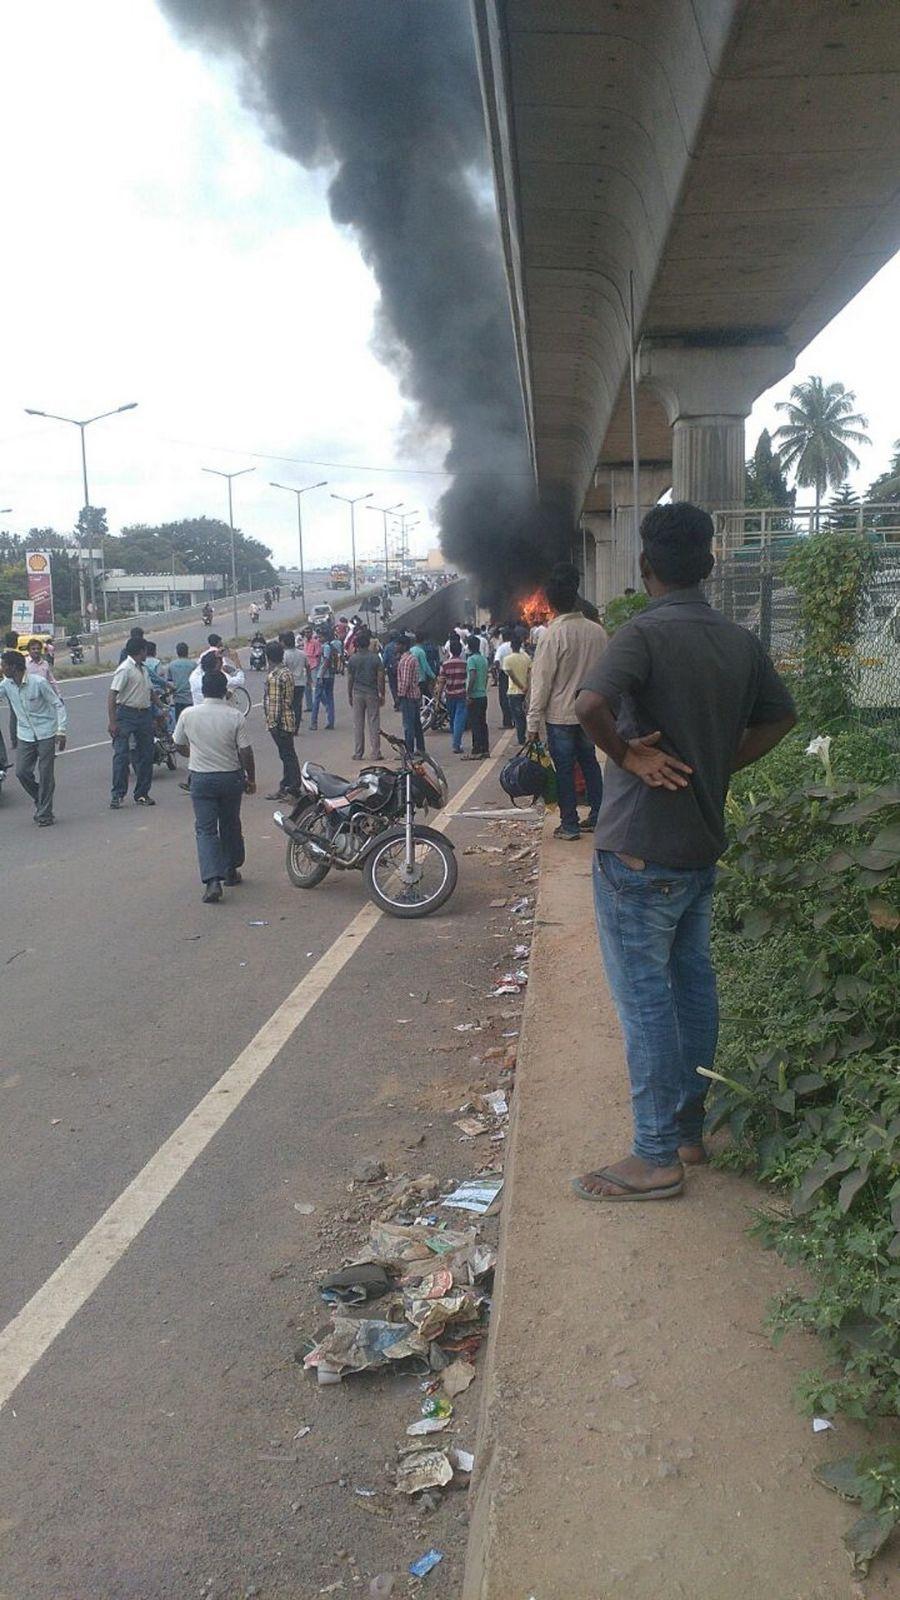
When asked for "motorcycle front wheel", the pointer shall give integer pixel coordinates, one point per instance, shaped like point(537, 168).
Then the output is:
point(304, 869)
point(432, 881)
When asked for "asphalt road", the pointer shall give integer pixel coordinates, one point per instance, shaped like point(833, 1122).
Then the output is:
point(147, 1437)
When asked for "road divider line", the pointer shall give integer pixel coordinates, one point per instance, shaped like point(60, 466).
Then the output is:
point(43, 1318)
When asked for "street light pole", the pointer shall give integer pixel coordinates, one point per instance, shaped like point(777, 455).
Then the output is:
point(353, 505)
point(385, 512)
point(298, 492)
point(82, 424)
point(229, 475)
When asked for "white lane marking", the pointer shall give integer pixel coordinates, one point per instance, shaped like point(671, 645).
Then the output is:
point(43, 1318)
point(85, 696)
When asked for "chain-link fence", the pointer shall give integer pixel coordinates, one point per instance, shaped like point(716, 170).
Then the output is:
point(748, 585)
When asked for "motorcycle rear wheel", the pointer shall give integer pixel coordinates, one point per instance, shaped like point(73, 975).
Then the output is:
point(305, 870)
point(435, 883)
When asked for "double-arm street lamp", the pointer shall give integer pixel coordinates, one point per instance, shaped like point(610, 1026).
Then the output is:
point(81, 424)
point(298, 492)
point(385, 512)
point(353, 505)
point(229, 475)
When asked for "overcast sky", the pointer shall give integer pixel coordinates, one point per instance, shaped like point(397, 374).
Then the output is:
point(158, 250)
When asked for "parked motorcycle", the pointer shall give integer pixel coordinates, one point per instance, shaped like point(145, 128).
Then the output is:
point(409, 870)
point(435, 716)
point(163, 729)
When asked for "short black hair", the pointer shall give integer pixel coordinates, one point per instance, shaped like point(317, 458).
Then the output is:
point(677, 542)
point(134, 647)
point(181, 649)
point(288, 639)
point(363, 638)
point(214, 685)
point(214, 638)
point(13, 661)
point(474, 643)
point(136, 633)
point(274, 652)
point(150, 647)
point(11, 639)
point(561, 588)
point(209, 661)
point(454, 644)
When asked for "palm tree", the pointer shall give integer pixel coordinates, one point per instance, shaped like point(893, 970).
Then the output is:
point(816, 441)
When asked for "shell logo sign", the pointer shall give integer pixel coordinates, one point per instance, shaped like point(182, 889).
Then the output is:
point(40, 586)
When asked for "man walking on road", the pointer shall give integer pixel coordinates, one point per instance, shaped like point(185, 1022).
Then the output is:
point(40, 731)
point(365, 692)
point(131, 724)
point(215, 740)
point(569, 650)
point(409, 696)
point(278, 708)
point(476, 699)
point(178, 672)
point(323, 690)
point(681, 700)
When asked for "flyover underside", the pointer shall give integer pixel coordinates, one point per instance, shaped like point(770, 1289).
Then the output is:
point(733, 162)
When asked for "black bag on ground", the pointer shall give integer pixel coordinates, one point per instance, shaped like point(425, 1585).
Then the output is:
point(524, 776)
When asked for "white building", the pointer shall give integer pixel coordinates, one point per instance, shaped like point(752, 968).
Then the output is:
point(160, 591)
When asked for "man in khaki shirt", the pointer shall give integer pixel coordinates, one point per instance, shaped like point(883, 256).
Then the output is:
point(568, 651)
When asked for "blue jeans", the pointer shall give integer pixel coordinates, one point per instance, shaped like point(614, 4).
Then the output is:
point(323, 696)
point(516, 703)
point(654, 933)
point(216, 798)
point(458, 713)
point(568, 743)
point(413, 735)
point(133, 728)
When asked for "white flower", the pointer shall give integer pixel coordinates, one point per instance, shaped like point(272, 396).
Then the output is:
point(821, 747)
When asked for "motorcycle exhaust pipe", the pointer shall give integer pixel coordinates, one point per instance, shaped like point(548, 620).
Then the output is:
point(315, 846)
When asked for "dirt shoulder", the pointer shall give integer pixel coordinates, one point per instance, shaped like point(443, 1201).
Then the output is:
point(638, 1434)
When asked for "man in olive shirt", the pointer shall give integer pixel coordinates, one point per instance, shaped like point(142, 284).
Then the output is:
point(681, 699)
point(365, 692)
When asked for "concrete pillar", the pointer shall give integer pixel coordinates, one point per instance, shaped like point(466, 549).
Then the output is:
point(655, 477)
point(708, 390)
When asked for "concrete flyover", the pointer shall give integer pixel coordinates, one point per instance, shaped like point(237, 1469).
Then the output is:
point(733, 163)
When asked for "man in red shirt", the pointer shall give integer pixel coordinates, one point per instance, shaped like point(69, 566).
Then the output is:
point(452, 685)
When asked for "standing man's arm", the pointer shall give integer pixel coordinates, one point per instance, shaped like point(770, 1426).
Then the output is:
point(773, 715)
point(624, 669)
point(249, 767)
point(55, 703)
point(542, 670)
point(112, 701)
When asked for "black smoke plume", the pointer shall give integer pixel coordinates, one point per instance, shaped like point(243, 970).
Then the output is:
point(386, 92)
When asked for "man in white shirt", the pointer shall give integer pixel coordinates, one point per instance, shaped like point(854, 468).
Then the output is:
point(503, 649)
point(130, 714)
point(234, 673)
point(215, 740)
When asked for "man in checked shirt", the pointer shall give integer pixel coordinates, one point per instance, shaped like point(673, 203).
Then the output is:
point(278, 707)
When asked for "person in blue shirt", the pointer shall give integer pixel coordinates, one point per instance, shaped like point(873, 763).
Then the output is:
point(427, 673)
point(323, 694)
point(40, 731)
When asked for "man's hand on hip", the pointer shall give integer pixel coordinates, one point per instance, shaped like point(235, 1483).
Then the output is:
point(655, 767)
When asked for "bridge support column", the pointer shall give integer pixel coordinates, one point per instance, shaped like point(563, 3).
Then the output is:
point(708, 390)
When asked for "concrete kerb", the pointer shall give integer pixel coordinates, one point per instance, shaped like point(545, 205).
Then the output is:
point(638, 1435)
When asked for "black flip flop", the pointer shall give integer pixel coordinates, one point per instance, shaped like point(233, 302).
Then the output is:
point(631, 1191)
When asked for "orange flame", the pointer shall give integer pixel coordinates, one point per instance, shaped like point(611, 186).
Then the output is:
point(534, 608)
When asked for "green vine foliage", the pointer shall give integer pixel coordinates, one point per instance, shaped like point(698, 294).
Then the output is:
point(622, 609)
point(806, 942)
point(830, 571)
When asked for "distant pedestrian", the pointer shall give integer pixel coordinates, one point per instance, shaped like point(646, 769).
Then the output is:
point(502, 649)
point(40, 731)
point(451, 687)
point(390, 657)
point(517, 666)
point(569, 652)
point(476, 699)
point(37, 662)
point(130, 716)
point(295, 662)
point(409, 696)
point(278, 708)
point(365, 691)
point(215, 740)
point(135, 633)
point(323, 685)
point(178, 672)
point(312, 652)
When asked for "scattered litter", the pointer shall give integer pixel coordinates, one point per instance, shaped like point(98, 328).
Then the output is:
point(456, 1378)
point(462, 1460)
point(471, 1126)
point(468, 1027)
point(821, 1424)
point(423, 1469)
point(302, 1432)
point(427, 1425)
point(475, 1194)
point(504, 988)
point(256, 922)
point(383, 1585)
point(424, 1565)
point(304, 1208)
point(496, 1102)
point(430, 1317)
point(352, 1286)
point(438, 1407)
point(497, 905)
point(435, 1285)
point(355, 1346)
point(366, 1494)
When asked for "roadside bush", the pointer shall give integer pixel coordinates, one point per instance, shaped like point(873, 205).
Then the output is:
point(622, 609)
point(830, 571)
point(808, 1073)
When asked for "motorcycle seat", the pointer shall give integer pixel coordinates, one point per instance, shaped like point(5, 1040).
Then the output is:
point(330, 786)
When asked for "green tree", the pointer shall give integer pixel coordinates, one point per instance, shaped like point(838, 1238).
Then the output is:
point(887, 485)
point(764, 482)
point(194, 544)
point(843, 509)
point(816, 442)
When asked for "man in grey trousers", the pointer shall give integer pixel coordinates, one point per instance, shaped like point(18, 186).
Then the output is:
point(365, 691)
point(40, 731)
